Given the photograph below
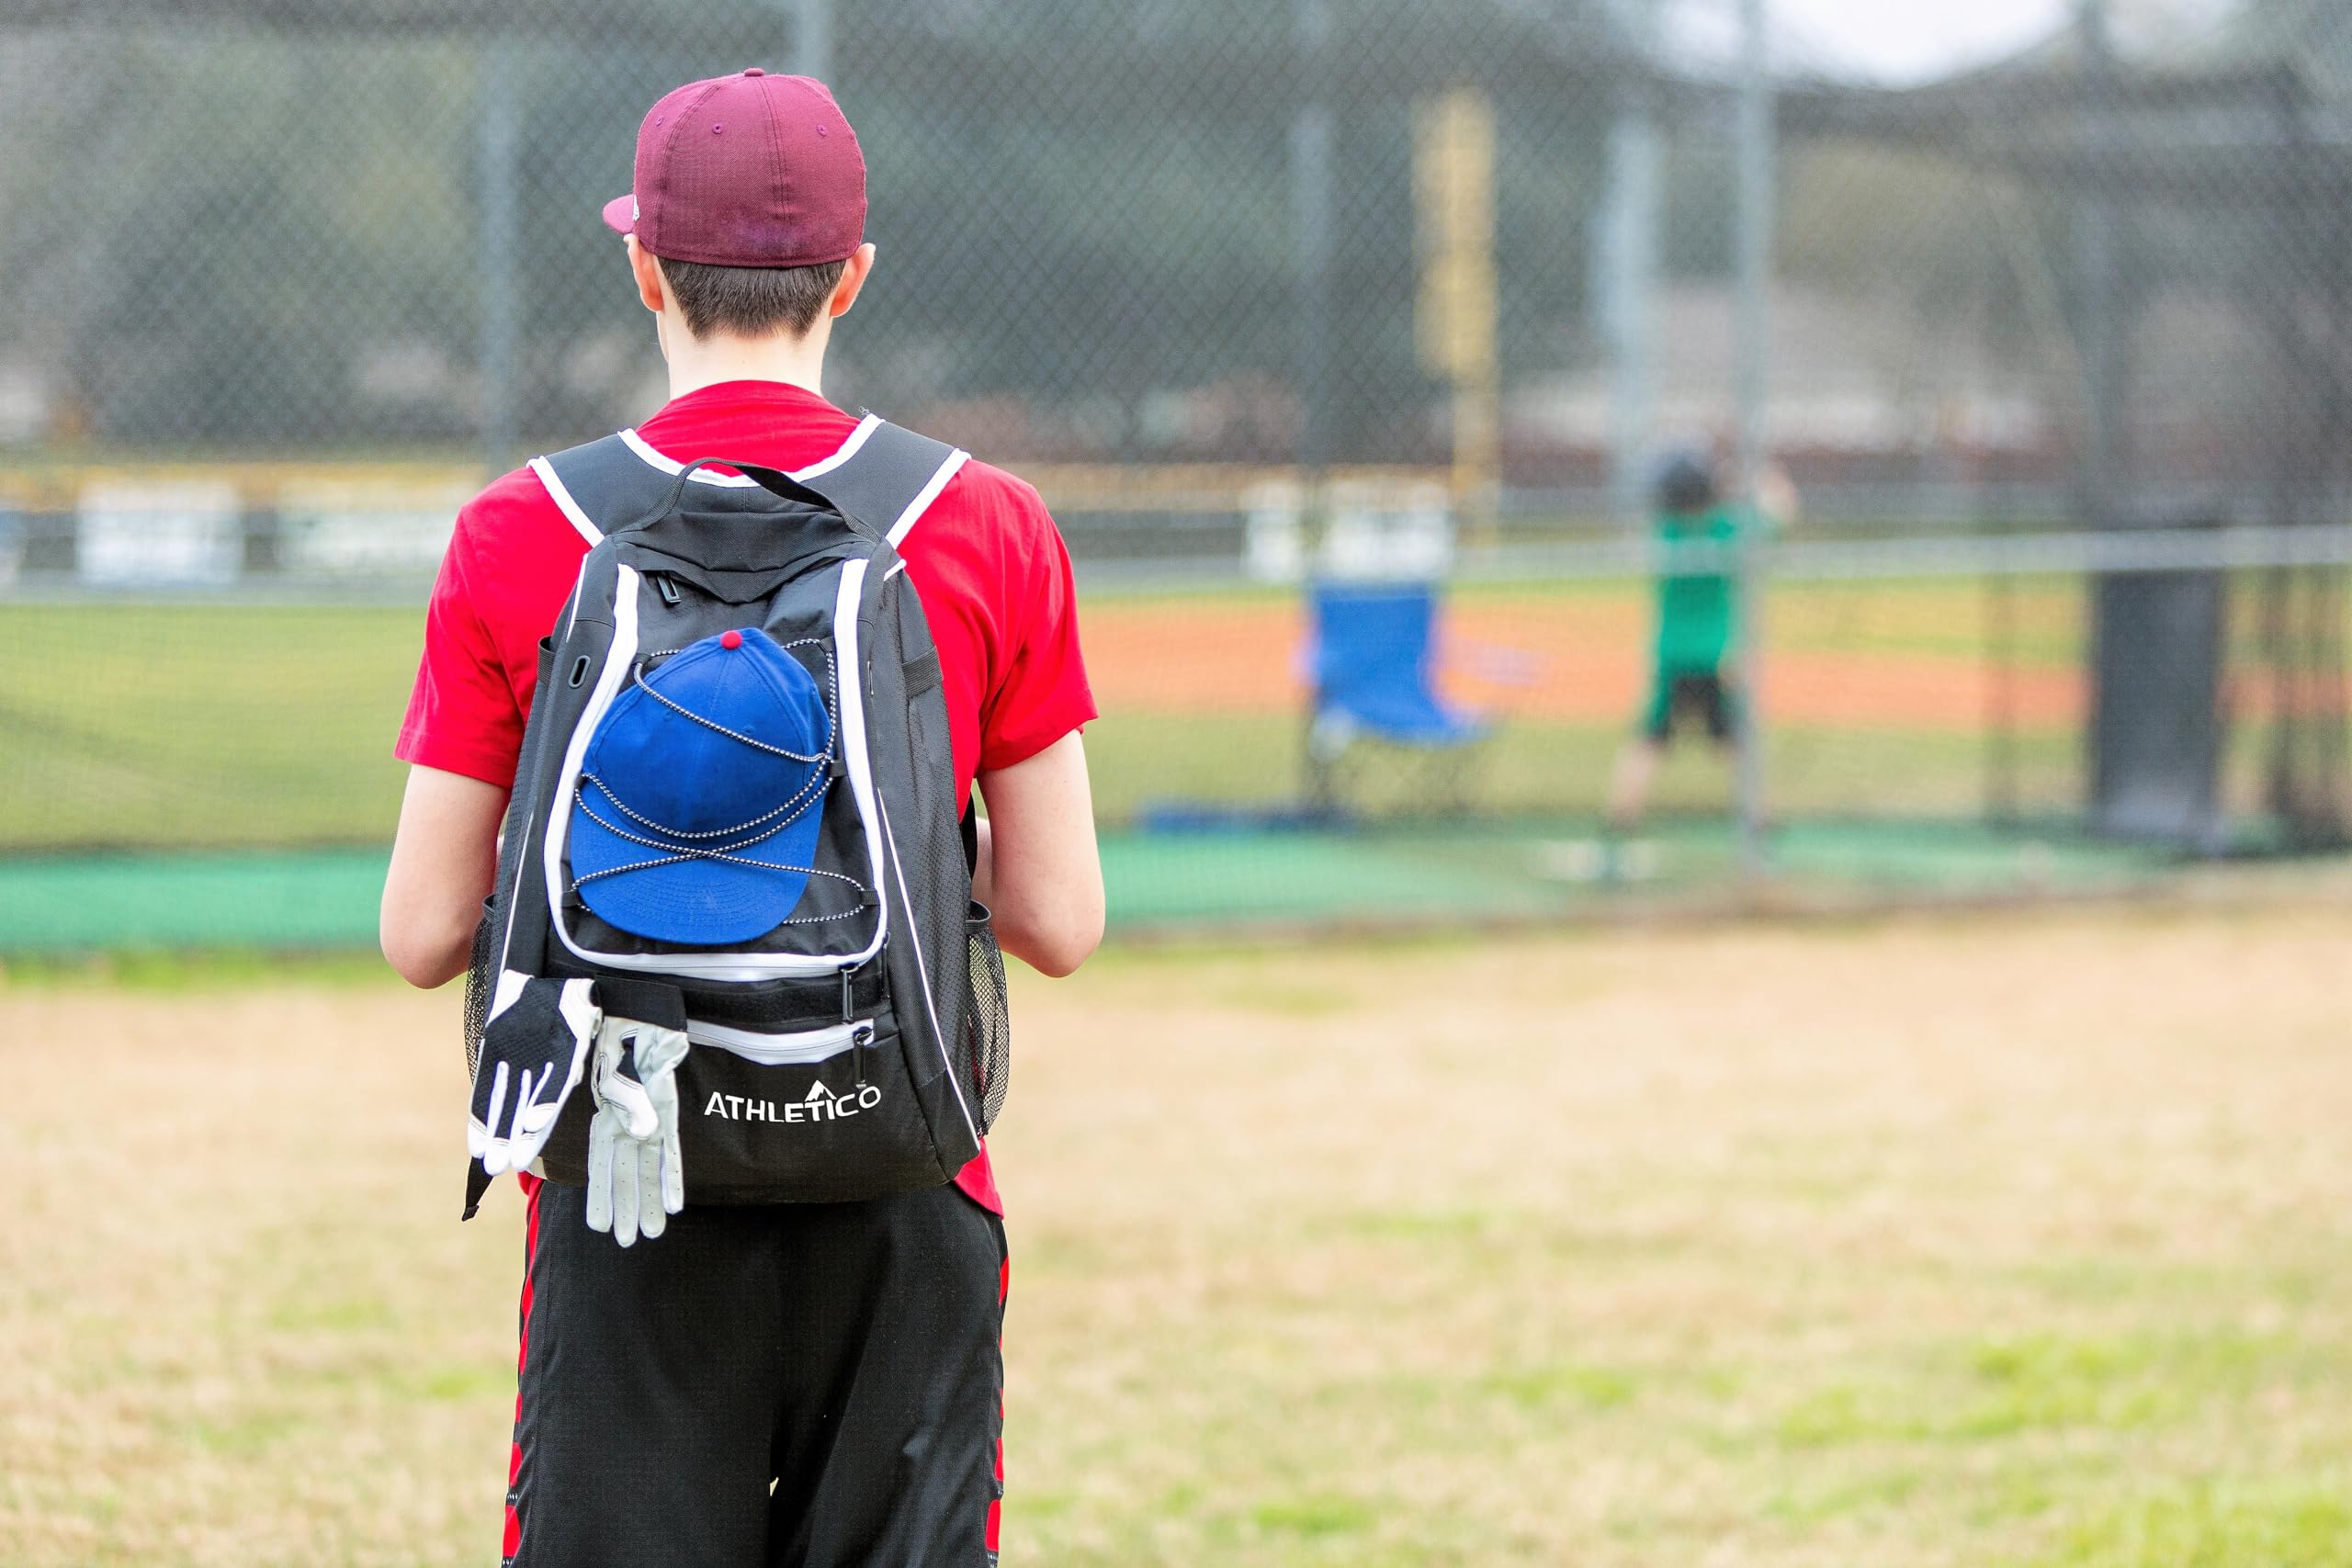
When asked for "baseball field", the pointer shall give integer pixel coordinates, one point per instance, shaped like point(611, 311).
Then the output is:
point(1956, 1241)
point(198, 724)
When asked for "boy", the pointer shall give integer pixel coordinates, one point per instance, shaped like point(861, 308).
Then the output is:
point(1697, 627)
point(813, 1385)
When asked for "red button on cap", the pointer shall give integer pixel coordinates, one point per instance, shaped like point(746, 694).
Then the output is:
point(730, 639)
point(754, 71)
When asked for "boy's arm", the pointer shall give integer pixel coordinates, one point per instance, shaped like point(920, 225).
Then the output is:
point(445, 856)
point(1038, 871)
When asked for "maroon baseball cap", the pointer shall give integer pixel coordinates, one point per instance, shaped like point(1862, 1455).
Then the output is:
point(749, 170)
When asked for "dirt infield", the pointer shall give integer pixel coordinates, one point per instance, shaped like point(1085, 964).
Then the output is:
point(1945, 1243)
point(1563, 661)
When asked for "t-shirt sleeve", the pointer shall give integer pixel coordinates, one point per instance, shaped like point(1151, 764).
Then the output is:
point(1041, 692)
point(463, 713)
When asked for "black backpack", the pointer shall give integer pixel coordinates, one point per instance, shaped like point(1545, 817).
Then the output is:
point(860, 1048)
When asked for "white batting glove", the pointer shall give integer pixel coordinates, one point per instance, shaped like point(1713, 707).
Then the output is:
point(636, 1177)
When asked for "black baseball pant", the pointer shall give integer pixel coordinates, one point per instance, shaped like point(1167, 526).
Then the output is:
point(798, 1386)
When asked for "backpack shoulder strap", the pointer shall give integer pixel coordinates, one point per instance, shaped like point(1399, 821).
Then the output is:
point(885, 476)
point(604, 486)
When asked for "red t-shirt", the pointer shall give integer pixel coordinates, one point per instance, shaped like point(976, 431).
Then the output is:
point(986, 561)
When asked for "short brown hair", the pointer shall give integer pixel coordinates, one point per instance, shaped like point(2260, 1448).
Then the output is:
point(750, 301)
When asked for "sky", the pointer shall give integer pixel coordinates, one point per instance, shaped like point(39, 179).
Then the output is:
point(1912, 40)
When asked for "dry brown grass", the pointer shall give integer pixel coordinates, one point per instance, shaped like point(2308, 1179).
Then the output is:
point(1950, 1242)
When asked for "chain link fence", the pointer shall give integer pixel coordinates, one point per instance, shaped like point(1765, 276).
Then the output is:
point(2108, 278)
point(369, 230)
point(2053, 351)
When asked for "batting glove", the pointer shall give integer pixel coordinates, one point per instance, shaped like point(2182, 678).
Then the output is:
point(534, 1049)
point(636, 1177)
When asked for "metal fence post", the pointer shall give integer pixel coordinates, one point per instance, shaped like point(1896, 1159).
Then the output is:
point(812, 38)
point(1310, 158)
point(1625, 265)
point(1753, 311)
point(1310, 179)
point(501, 283)
point(2094, 264)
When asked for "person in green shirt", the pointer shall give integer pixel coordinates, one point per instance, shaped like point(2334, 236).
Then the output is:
point(1698, 627)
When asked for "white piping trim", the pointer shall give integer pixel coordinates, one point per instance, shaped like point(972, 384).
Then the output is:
point(734, 966)
point(571, 621)
point(914, 935)
point(565, 504)
point(894, 571)
point(653, 459)
point(619, 659)
point(928, 494)
point(865, 427)
point(852, 667)
point(848, 449)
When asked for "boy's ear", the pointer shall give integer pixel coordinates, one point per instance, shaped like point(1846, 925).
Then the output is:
point(651, 287)
point(854, 272)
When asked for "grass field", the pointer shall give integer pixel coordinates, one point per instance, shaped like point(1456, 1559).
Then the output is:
point(1972, 1242)
point(204, 725)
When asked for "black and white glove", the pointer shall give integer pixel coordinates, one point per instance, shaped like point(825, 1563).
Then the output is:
point(534, 1052)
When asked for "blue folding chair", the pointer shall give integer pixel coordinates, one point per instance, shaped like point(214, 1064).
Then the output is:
point(1374, 666)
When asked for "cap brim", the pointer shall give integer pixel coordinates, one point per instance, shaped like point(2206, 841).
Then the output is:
point(694, 902)
point(620, 215)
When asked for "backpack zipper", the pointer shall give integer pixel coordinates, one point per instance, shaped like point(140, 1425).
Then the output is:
point(799, 1049)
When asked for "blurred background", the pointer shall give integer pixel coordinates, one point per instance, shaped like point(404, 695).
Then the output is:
point(1518, 1213)
point(2039, 306)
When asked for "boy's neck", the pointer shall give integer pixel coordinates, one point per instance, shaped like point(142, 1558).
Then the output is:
point(697, 363)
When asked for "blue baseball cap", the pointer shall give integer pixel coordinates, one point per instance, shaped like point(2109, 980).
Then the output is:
point(702, 795)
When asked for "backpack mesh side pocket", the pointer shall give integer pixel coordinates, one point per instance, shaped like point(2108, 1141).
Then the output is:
point(988, 1020)
point(480, 978)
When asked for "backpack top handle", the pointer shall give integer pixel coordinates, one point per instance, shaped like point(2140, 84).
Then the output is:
point(882, 481)
point(774, 480)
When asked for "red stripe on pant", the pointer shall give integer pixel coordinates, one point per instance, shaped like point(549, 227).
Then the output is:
point(996, 1504)
point(531, 1185)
